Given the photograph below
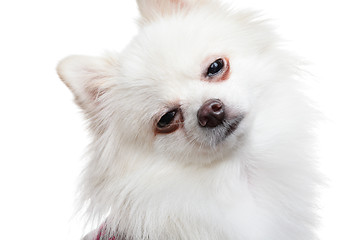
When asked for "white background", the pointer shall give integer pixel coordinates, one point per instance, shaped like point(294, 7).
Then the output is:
point(42, 133)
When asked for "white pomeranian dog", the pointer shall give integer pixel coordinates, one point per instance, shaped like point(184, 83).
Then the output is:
point(200, 130)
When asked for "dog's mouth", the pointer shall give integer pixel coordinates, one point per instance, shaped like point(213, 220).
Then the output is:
point(228, 127)
point(215, 136)
point(232, 125)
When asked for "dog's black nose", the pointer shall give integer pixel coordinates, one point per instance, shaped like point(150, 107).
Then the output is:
point(211, 113)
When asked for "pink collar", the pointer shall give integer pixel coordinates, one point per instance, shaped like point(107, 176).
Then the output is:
point(100, 234)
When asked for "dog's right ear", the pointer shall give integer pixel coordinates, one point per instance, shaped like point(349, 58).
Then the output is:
point(87, 77)
point(152, 9)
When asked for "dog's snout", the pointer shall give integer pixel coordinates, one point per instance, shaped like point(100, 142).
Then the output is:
point(211, 113)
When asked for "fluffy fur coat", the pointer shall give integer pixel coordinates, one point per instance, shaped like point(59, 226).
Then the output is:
point(252, 178)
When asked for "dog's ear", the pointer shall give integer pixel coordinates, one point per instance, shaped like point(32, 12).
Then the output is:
point(152, 9)
point(87, 77)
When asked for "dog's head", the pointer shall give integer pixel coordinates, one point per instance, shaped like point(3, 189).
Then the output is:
point(185, 87)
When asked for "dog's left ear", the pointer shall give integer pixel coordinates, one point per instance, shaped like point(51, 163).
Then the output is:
point(87, 77)
point(153, 9)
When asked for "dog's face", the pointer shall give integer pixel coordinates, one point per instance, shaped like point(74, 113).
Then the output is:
point(183, 89)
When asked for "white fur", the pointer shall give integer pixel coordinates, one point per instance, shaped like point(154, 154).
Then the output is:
point(257, 184)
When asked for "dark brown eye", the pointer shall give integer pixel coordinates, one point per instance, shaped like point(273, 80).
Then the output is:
point(169, 122)
point(215, 68)
point(166, 119)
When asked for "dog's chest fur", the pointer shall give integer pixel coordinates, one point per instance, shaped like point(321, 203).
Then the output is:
point(216, 203)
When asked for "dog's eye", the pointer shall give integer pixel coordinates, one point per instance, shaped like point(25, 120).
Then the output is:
point(169, 122)
point(215, 67)
point(166, 119)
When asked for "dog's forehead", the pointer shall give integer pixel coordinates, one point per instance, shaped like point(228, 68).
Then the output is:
point(179, 46)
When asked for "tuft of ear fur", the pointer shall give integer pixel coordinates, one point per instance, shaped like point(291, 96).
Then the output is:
point(87, 77)
point(153, 9)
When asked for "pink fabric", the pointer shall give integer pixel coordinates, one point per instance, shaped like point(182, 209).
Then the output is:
point(100, 233)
